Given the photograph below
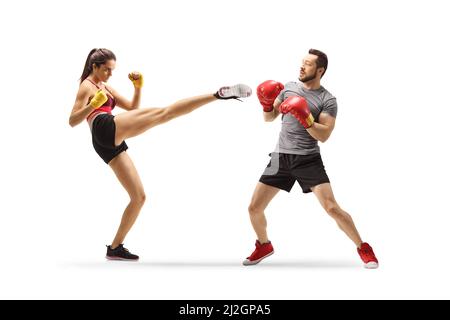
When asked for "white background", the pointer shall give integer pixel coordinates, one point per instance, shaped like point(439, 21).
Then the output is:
point(387, 157)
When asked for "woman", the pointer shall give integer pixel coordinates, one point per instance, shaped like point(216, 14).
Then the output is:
point(95, 101)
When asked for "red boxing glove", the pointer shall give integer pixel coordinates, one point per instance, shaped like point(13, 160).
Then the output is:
point(298, 107)
point(267, 92)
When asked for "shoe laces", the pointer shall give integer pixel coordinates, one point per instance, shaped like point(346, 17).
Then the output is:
point(367, 251)
point(124, 249)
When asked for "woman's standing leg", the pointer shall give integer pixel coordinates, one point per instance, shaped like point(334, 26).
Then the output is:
point(128, 176)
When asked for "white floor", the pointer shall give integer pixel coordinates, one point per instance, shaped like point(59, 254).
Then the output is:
point(334, 272)
point(277, 279)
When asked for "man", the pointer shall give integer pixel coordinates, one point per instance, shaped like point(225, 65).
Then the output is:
point(309, 114)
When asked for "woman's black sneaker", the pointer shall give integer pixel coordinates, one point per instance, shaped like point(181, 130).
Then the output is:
point(234, 92)
point(120, 253)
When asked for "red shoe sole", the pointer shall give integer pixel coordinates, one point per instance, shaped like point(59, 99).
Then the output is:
point(371, 265)
point(251, 263)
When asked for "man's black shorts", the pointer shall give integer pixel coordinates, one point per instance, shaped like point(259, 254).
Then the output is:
point(284, 169)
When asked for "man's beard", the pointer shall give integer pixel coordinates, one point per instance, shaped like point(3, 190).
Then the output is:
point(306, 79)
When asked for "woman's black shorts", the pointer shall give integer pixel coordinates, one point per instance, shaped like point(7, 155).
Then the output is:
point(103, 136)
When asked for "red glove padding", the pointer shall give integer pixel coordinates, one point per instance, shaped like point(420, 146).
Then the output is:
point(298, 107)
point(267, 92)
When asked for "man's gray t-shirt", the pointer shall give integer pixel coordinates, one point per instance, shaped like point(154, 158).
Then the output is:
point(294, 139)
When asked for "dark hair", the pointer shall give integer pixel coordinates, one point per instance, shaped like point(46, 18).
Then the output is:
point(322, 59)
point(97, 57)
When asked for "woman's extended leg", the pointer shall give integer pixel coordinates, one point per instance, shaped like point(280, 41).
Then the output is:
point(135, 122)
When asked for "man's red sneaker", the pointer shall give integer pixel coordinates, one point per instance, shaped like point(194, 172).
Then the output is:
point(368, 256)
point(262, 251)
